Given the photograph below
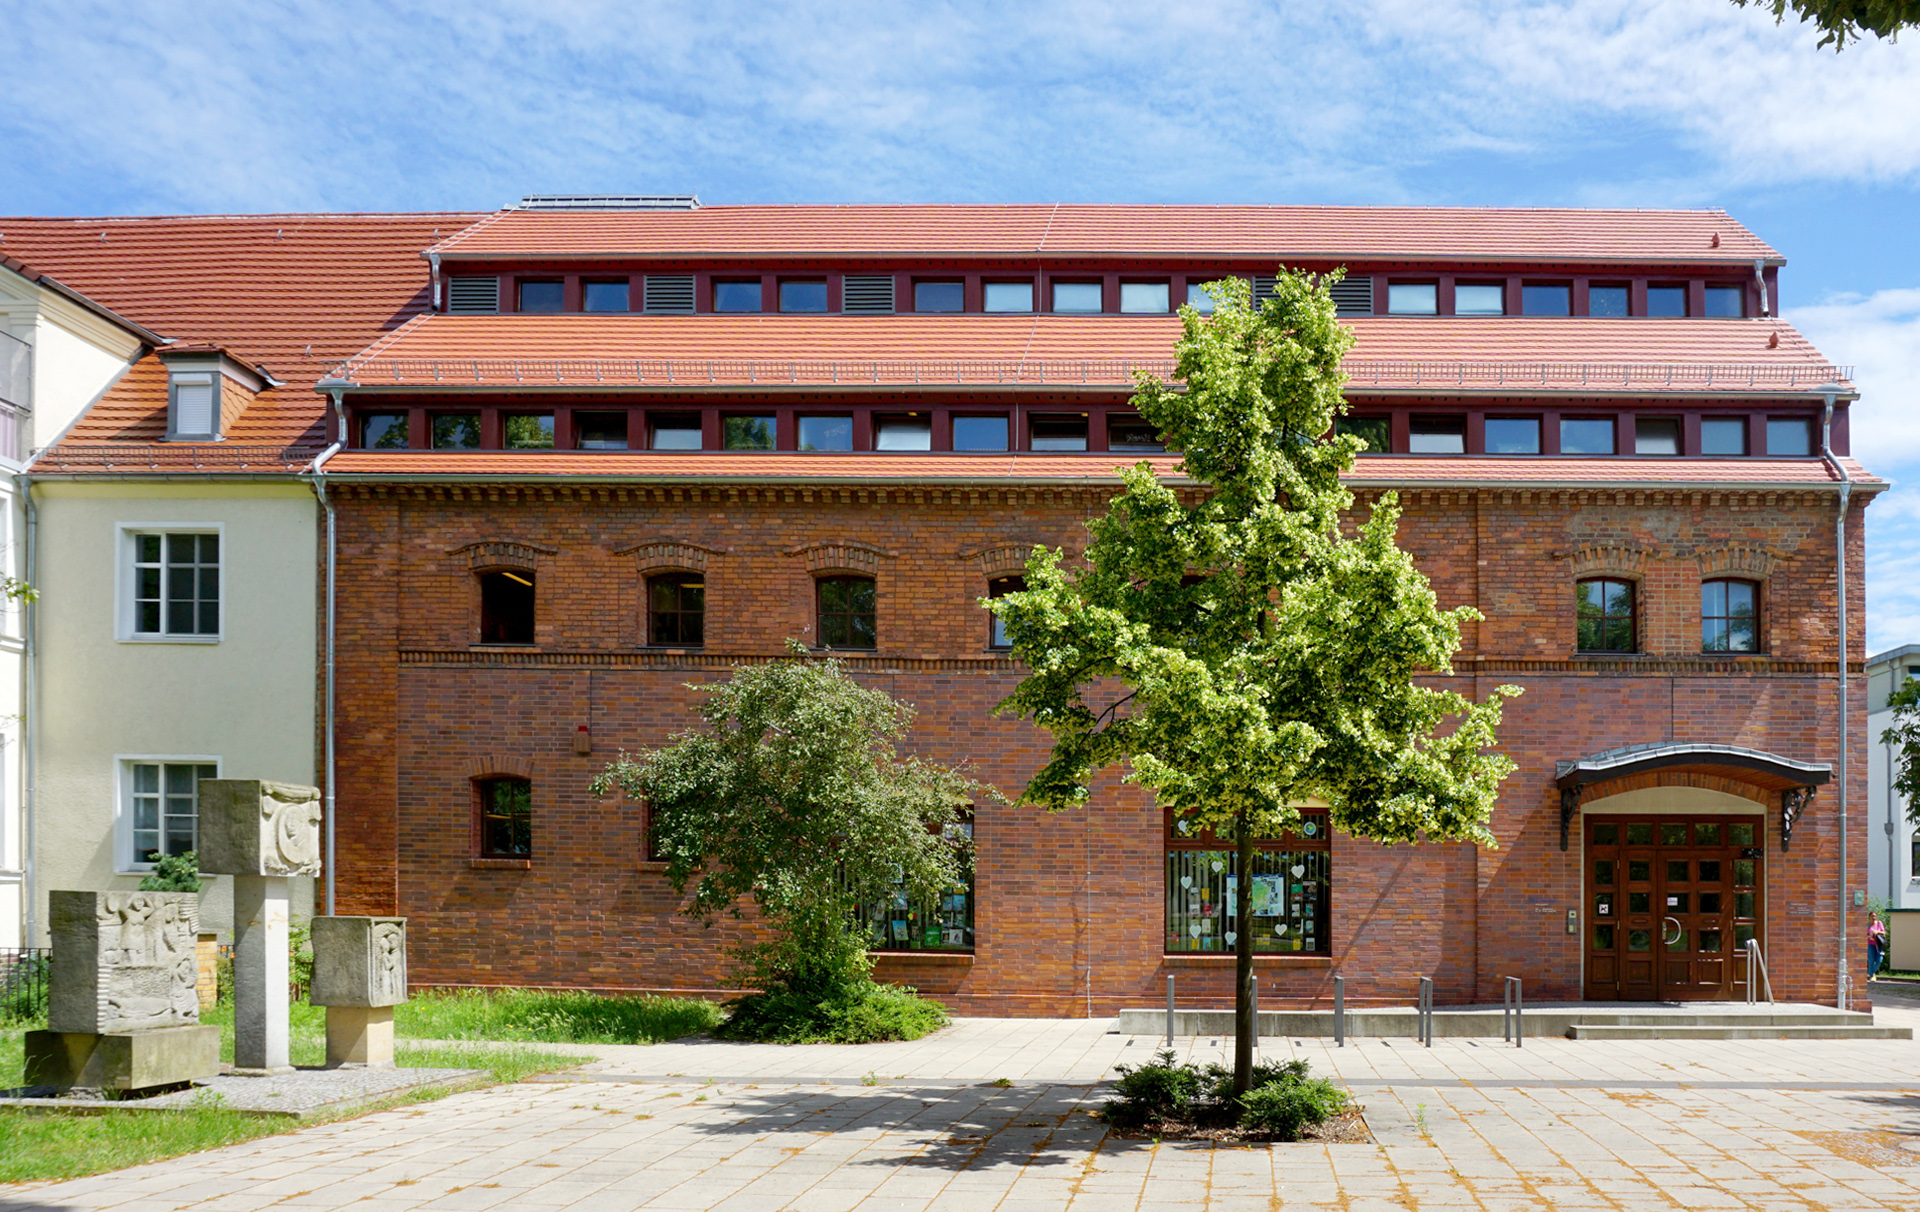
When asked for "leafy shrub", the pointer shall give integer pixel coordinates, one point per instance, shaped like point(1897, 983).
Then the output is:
point(1157, 1092)
point(862, 1013)
point(1283, 1108)
point(173, 873)
point(1281, 1100)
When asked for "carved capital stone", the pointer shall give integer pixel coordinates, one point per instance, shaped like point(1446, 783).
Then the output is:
point(253, 827)
point(359, 961)
point(122, 961)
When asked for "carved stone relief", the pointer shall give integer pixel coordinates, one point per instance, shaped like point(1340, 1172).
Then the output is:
point(123, 961)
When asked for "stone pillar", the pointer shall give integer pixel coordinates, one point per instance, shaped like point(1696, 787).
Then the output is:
point(359, 975)
point(261, 834)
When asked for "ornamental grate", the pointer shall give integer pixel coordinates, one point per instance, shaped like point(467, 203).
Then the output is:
point(479, 296)
point(667, 294)
point(867, 294)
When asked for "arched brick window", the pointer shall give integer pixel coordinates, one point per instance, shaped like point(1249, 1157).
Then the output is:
point(1606, 616)
point(506, 817)
point(506, 606)
point(847, 612)
point(1729, 615)
point(677, 610)
point(996, 588)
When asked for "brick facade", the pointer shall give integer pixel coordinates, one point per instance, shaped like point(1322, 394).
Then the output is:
point(1069, 917)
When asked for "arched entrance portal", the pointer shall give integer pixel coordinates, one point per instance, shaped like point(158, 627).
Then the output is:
point(1676, 885)
point(1673, 844)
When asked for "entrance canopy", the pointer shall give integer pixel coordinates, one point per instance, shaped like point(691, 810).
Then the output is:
point(1794, 780)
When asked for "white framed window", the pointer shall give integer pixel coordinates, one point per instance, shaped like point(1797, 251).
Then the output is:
point(158, 809)
point(170, 583)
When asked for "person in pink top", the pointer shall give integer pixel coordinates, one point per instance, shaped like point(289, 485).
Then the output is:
point(1876, 945)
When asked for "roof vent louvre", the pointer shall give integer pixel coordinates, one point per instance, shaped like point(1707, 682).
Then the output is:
point(1265, 286)
point(473, 294)
point(667, 294)
point(1353, 297)
point(608, 202)
point(867, 294)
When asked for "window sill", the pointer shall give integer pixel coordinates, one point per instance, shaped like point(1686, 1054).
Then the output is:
point(510, 647)
point(954, 958)
point(169, 639)
point(500, 864)
point(1302, 959)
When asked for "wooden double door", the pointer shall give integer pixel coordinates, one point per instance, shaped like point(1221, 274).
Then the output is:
point(1671, 902)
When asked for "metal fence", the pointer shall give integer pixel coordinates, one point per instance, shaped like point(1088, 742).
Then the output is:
point(23, 983)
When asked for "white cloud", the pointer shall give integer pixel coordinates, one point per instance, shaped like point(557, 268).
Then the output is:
point(1879, 335)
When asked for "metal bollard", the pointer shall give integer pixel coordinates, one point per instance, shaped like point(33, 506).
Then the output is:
point(1339, 1011)
point(1256, 1013)
point(1426, 1011)
point(1169, 1009)
point(1512, 1020)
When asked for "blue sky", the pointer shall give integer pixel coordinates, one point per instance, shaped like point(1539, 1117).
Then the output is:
point(218, 105)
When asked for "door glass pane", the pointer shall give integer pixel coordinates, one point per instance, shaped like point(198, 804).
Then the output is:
point(1639, 833)
point(1603, 904)
point(1606, 835)
point(1639, 940)
point(1709, 902)
point(1603, 938)
point(1706, 833)
point(1639, 871)
point(1672, 834)
point(1709, 871)
point(1677, 940)
point(1676, 871)
point(1742, 935)
point(1710, 941)
point(1743, 872)
point(1603, 872)
point(1677, 902)
point(1639, 902)
point(1743, 904)
point(1740, 835)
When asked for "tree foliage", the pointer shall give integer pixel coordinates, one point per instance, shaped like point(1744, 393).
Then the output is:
point(793, 798)
point(173, 873)
point(1243, 653)
point(1839, 20)
point(1904, 736)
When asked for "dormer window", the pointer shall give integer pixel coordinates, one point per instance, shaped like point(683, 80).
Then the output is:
point(193, 407)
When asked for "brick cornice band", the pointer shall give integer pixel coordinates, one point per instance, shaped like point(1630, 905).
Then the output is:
point(1002, 559)
point(1755, 562)
point(524, 556)
point(1616, 558)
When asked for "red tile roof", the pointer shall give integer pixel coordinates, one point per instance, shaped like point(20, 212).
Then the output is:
point(877, 468)
point(1279, 232)
point(1502, 355)
point(295, 293)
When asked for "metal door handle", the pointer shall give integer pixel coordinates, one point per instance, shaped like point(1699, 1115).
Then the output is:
point(1678, 931)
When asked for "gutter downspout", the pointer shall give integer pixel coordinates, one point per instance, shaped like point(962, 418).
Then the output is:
point(433, 263)
point(1843, 992)
point(1759, 279)
point(335, 388)
point(29, 734)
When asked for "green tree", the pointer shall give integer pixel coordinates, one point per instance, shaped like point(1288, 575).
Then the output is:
point(1904, 736)
point(1839, 20)
point(1250, 655)
point(793, 797)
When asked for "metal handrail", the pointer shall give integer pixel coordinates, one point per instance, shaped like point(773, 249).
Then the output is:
point(1512, 1022)
point(1756, 960)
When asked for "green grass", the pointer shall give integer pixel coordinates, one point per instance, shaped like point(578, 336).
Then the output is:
point(536, 1015)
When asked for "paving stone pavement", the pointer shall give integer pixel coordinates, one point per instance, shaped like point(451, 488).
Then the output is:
point(1763, 1124)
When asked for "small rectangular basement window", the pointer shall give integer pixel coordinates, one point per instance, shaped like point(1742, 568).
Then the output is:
point(1607, 301)
point(1133, 434)
point(383, 431)
point(542, 296)
point(1199, 299)
point(674, 431)
point(939, 296)
point(1077, 298)
point(600, 430)
point(1004, 297)
point(1416, 299)
point(1479, 299)
point(826, 433)
point(1376, 432)
point(456, 431)
point(528, 431)
point(604, 296)
point(803, 296)
point(1667, 301)
point(1789, 437)
point(1059, 433)
point(1586, 435)
point(1656, 436)
point(1513, 435)
point(1143, 298)
point(980, 433)
point(1437, 435)
point(1546, 299)
point(737, 296)
point(1723, 436)
point(749, 433)
point(1727, 302)
point(911, 432)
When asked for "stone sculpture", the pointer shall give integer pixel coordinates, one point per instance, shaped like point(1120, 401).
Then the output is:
point(359, 975)
point(123, 1012)
point(260, 833)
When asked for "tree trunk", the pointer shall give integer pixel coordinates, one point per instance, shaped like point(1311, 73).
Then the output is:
point(1246, 1032)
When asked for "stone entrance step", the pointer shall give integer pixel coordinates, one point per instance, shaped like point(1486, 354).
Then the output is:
point(1567, 1020)
point(1733, 1031)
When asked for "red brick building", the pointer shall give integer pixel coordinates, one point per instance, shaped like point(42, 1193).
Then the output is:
point(627, 446)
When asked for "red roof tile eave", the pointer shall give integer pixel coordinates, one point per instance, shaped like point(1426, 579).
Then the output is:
point(1712, 257)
